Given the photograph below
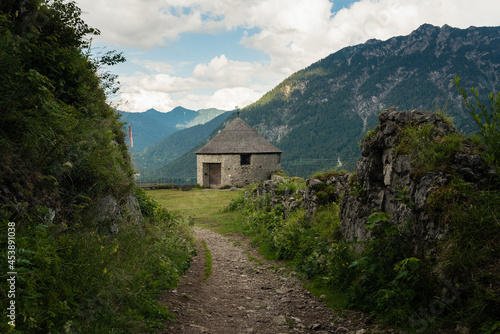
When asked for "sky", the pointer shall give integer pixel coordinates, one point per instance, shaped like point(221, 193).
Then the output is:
point(224, 54)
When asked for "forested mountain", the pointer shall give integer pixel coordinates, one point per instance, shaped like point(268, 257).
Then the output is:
point(318, 115)
point(175, 144)
point(203, 116)
point(145, 129)
point(151, 126)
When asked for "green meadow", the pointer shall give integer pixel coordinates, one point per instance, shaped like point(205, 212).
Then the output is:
point(204, 206)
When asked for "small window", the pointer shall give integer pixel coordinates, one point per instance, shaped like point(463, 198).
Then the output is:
point(245, 159)
point(279, 158)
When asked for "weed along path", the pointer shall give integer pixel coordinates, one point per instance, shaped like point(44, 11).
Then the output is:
point(246, 294)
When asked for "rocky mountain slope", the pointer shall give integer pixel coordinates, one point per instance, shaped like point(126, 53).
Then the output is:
point(318, 115)
point(322, 112)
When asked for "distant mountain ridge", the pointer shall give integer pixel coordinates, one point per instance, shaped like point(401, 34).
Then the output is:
point(151, 126)
point(318, 115)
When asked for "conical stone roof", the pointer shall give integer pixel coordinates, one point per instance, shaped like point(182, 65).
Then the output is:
point(238, 138)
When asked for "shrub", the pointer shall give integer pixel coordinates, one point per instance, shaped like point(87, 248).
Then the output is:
point(90, 283)
point(288, 238)
point(429, 152)
point(488, 121)
point(62, 150)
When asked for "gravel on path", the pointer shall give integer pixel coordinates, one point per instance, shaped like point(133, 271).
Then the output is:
point(250, 296)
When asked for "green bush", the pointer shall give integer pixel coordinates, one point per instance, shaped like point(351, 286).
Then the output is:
point(91, 283)
point(62, 150)
point(488, 121)
point(288, 238)
point(455, 280)
point(427, 152)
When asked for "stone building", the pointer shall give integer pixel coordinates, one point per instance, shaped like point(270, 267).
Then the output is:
point(236, 156)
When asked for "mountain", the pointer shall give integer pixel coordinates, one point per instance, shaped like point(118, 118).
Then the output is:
point(204, 115)
point(146, 130)
point(177, 143)
point(318, 115)
point(151, 126)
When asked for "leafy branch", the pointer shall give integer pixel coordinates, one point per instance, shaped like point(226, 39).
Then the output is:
point(488, 120)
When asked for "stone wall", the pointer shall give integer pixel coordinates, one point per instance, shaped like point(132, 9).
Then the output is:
point(328, 188)
point(386, 182)
point(235, 174)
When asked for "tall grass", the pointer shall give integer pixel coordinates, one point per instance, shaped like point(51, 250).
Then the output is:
point(456, 281)
point(82, 281)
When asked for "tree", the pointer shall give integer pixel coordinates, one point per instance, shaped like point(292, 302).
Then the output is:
point(488, 121)
point(55, 123)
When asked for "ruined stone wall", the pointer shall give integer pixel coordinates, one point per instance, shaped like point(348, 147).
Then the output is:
point(330, 188)
point(386, 182)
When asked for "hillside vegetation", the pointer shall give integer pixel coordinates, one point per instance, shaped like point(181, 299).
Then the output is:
point(172, 146)
point(77, 267)
point(412, 237)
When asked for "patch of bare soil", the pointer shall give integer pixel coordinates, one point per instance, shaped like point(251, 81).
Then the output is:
point(244, 296)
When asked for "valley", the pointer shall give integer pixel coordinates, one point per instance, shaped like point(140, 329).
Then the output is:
point(318, 115)
point(409, 242)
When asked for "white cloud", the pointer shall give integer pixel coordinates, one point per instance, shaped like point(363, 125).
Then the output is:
point(286, 26)
point(154, 66)
point(229, 73)
point(142, 24)
point(230, 98)
point(224, 84)
point(293, 33)
point(225, 99)
point(139, 100)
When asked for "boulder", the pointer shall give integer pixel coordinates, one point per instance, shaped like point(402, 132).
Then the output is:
point(108, 213)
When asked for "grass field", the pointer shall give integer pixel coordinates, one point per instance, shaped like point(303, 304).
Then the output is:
point(203, 205)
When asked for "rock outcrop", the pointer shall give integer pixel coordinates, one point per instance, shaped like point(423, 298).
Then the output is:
point(388, 182)
point(109, 212)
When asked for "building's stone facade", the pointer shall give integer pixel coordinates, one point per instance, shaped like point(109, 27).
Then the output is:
point(233, 173)
point(238, 155)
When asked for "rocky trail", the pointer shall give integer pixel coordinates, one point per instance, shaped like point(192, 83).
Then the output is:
point(246, 294)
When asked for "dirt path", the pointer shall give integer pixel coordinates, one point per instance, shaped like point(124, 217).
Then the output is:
point(243, 296)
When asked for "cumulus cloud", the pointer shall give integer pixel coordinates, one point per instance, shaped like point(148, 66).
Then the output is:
point(154, 66)
point(230, 73)
point(292, 33)
point(228, 82)
point(135, 99)
point(225, 99)
point(285, 25)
